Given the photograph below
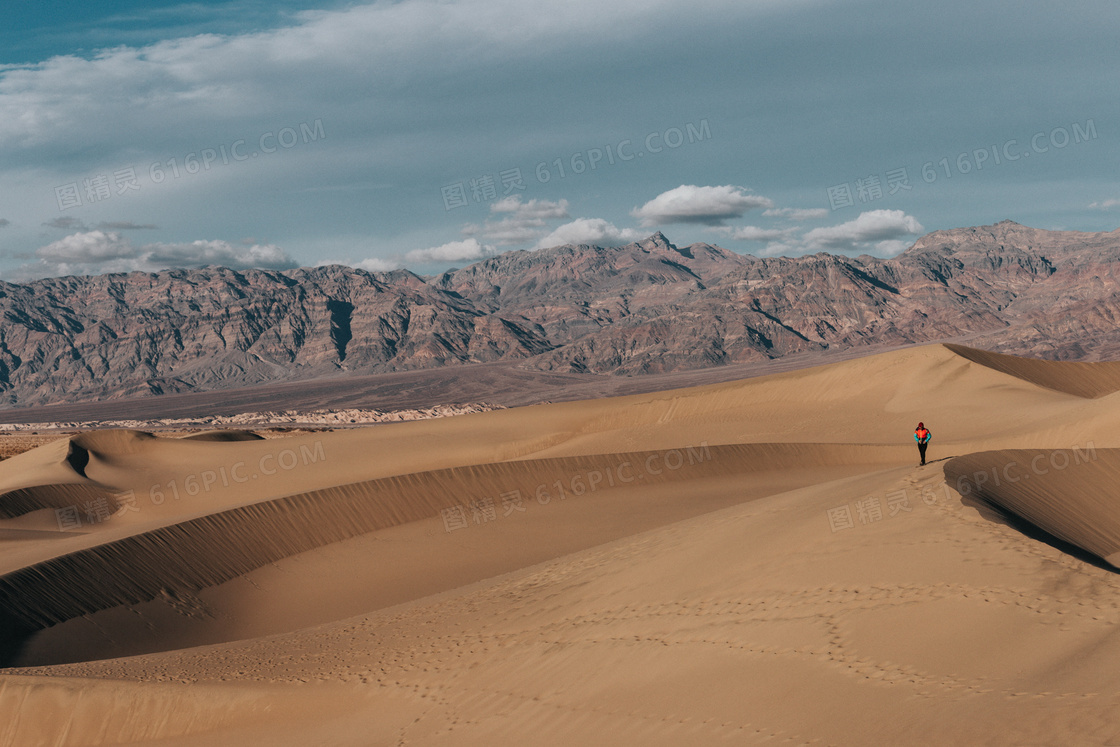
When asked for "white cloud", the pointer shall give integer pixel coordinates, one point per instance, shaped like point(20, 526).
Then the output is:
point(878, 232)
point(782, 249)
point(689, 203)
point(525, 223)
point(891, 247)
point(467, 250)
point(95, 252)
point(754, 233)
point(871, 227)
point(367, 53)
point(201, 253)
point(374, 264)
point(539, 209)
point(87, 248)
point(370, 264)
point(797, 214)
point(1105, 204)
point(595, 231)
point(453, 251)
point(507, 231)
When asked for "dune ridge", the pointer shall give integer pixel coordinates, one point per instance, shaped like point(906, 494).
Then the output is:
point(16, 503)
point(1068, 493)
point(1080, 378)
point(204, 552)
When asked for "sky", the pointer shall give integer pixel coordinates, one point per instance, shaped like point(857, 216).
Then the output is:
point(430, 134)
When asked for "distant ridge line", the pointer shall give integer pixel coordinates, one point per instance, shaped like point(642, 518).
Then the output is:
point(644, 308)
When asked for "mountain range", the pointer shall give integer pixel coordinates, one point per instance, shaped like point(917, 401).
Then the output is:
point(646, 307)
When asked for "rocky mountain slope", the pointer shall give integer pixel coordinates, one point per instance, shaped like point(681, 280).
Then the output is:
point(646, 307)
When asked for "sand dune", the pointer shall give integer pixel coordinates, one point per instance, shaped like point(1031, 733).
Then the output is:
point(179, 560)
point(20, 502)
point(1070, 494)
point(752, 561)
point(1083, 379)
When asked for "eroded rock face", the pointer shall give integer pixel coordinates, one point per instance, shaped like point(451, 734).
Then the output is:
point(121, 335)
point(645, 307)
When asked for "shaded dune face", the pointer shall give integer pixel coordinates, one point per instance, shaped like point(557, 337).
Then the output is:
point(1069, 498)
point(27, 500)
point(1068, 495)
point(224, 435)
point(71, 486)
point(184, 558)
point(64, 482)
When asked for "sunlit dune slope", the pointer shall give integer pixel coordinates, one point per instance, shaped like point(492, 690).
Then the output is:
point(73, 712)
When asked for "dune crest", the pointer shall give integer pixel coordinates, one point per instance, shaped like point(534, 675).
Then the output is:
point(186, 557)
point(1080, 378)
point(1070, 494)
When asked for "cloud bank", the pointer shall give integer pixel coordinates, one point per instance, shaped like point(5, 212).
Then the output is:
point(97, 252)
point(452, 251)
point(1105, 204)
point(882, 228)
point(524, 222)
point(797, 214)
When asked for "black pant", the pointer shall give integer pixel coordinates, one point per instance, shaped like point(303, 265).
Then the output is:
point(922, 450)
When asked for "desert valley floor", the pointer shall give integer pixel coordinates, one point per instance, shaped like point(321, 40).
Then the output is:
point(752, 562)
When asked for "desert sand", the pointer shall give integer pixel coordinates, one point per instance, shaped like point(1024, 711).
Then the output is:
point(751, 562)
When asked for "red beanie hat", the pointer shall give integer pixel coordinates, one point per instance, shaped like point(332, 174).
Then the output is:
point(921, 425)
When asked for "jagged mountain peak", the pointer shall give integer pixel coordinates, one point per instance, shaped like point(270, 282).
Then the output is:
point(657, 240)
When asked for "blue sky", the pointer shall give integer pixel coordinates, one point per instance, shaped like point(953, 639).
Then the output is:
point(430, 134)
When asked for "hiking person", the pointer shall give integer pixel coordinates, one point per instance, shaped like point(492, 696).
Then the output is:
point(922, 436)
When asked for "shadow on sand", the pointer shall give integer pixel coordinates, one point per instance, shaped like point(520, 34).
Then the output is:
point(997, 514)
